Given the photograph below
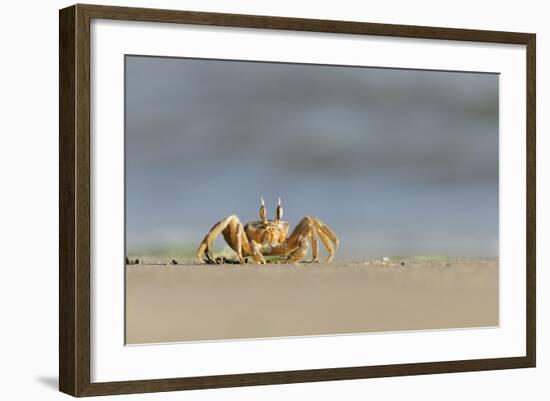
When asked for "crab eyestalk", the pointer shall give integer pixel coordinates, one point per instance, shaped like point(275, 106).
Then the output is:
point(263, 212)
point(279, 212)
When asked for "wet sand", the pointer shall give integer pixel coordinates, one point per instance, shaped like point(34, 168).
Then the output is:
point(173, 303)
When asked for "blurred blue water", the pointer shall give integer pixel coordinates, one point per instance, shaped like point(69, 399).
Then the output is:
point(397, 162)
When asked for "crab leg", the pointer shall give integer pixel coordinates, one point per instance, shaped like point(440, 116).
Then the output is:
point(312, 227)
point(327, 231)
point(238, 242)
point(327, 244)
point(326, 235)
point(300, 252)
point(314, 246)
point(245, 243)
point(232, 230)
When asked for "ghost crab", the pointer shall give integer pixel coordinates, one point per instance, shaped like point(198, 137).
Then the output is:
point(258, 239)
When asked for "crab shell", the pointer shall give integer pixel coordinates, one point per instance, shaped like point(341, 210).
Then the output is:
point(267, 234)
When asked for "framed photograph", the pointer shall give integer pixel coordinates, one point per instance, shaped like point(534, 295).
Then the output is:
point(250, 200)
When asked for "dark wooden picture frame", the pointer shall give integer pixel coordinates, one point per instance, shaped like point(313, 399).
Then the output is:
point(74, 200)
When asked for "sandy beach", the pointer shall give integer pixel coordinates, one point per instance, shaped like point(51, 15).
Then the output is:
point(189, 302)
